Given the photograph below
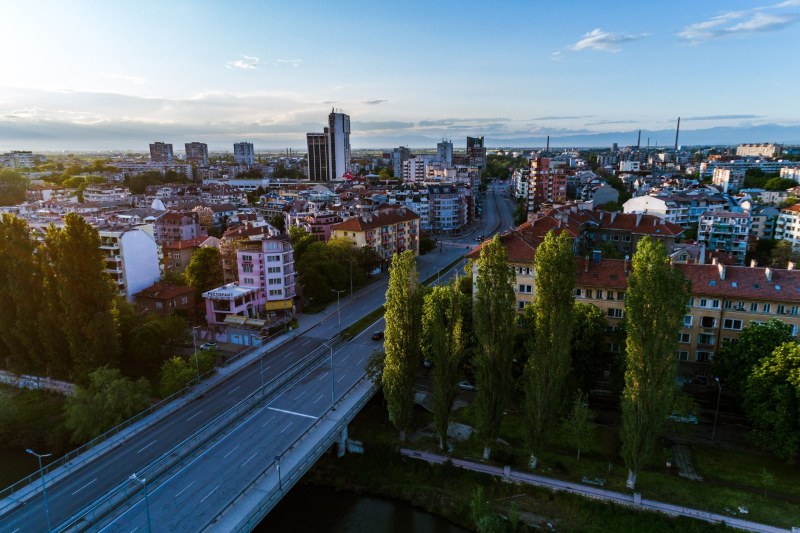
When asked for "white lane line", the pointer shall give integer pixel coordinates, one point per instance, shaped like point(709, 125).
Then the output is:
point(20, 529)
point(267, 367)
point(209, 494)
point(340, 379)
point(186, 488)
point(194, 415)
point(300, 395)
point(318, 398)
point(250, 458)
point(287, 427)
point(234, 389)
point(290, 412)
point(323, 376)
point(268, 421)
point(230, 452)
point(146, 446)
point(303, 344)
point(132, 530)
point(80, 489)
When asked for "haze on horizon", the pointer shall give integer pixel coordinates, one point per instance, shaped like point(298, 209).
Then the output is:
point(93, 75)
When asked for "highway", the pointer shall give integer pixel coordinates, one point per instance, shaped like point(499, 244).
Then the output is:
point(188, 499)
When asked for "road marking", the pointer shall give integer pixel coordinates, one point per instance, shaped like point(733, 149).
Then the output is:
point(194, 415)
point(340, 379)
point(250, 458)
point(230, 452)
point(209, 494)
point(234, 389)
point(300, 395)
point(318, 398)
point(147, 446)
point(291, 412)
point(268, 421)
point(287, 427)
point(80, 489)
point(267, 367)
point(185, 489)
point(20, 529)
point(309, 340)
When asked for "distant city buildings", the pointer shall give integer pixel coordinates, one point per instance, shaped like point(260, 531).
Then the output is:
point(161, 153)
point(725, 231)
point(444, 153)
point(197, 153)
point(329, 152)
point(243, 153)
point(758, 150)
point(726, 181)
point(21, 159)
point(317, 157)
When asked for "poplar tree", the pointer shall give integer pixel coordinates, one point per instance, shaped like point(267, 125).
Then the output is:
point(548, 366)
point(655, 304)
point(494, 319)
point(443, 339)
point(401, 342)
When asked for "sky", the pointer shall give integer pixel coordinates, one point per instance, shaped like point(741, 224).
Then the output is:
point(85, 75)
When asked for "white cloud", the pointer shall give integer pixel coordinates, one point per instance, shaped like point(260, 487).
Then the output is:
point(246, 63)
point(293, 62)
point(604, 41)
point(736, 23)
point(556, 56)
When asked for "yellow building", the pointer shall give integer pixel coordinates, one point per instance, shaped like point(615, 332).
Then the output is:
point(387, 231)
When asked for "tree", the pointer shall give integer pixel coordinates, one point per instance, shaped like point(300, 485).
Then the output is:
point(736, 360)
point(578, 427)
point(106, 401)
point(772, 401)
point(279, 221)
point(403, 320)
point(655, 304)
point(443, 339)
point(12, 187)
point(204, 271)
point(86, 295)
point(782, 253)
point(493, 317)
point(175, 374)
point(205, 216)
point(549, 363)
point(589, 356)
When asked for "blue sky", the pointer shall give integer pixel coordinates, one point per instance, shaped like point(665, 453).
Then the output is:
point(84, 75)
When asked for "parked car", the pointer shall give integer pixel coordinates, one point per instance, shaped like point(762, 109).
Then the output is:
point(683, 419)
point(466, 385)
point(209, 346)
point(427, 363)
point(377, 335)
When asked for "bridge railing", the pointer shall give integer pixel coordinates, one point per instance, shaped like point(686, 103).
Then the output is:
point(183, 451)
point(158, 406)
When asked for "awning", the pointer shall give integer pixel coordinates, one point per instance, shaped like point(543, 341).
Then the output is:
point(278, 305)
point(245, 321)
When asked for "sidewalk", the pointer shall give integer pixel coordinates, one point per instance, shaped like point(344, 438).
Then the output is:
point(591, 492)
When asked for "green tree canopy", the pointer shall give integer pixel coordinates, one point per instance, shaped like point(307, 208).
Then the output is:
point(589, 356)
point(204, 271)
point(736, 361)
point(12, 187)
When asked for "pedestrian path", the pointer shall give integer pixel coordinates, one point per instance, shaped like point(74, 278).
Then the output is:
point(635, 500)
point(683, 460)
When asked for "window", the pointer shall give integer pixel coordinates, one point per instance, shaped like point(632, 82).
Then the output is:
point(781, 309)
point(793, 310)
point(702, 356)
point(273, 258)
point(159, 305)
point(705, 338)
point(766, 308)
point(274, 281)
point(708, 322)
point(247, 258)
point(610, 295)
point(248, 281)
point(521, 304)
point(703, 302)
point(247, 267)
point(753, 307)
point(185, 300)
point(588, 293)
point(687, 321)
point(730, 323)
point(620, 295)
point(728, 304)
point(613, 347)
point(684, 338)
point(683, 355)
point(599, 294)
point(274, 270)
point(615, 313)
point(526, 289)
point(275, 292)
point(577, 293)
point(612, 329)
point(794, 330)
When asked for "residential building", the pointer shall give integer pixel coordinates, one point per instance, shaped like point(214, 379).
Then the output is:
point(630, 166)
point(317, 157)
point(727, 181)
point(444, 153)
point(387, 231)
point(725, 231)
point(520, 179)
point(133, 169)
point(178, 254)
point(197, 153)
point(683, 209)
point(21, 159)
point(132, 259)
point(740, 166)
point(106, 193)
point(547, 183)
point(338, 145)
point(175, 226)
point(415, 169)
point(762, 221)
point(476, 153)
point(791, 173)
point(161, 153)
point(399, 155)
point(243, 153)
point(758, 150)
point(164, 298)
point(787, 227)
point(447, 209)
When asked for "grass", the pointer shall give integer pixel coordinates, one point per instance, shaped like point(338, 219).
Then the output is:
point(362, 323)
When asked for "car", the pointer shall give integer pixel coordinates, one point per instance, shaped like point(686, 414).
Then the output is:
point(377, 335)
point(427, 363)
point(683, 419)
point(209, 346)
point(466, 385)
point(479, 238)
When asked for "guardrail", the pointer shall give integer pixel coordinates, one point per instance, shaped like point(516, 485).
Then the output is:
point(158, 406)
point(182, 451)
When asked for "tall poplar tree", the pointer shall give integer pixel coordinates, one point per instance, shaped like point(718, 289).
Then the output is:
point(401, 343)
point(655, 304)
point(443, 340)
point(548, 366)
point(494, 320)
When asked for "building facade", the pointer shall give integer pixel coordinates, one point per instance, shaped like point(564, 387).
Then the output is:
point(338, 145)
point(547, 183)
point(725, 231)
point(161, 153)
point(758, 150)
point(164, 299)
point(132, 259)
point(197, 153)
point(476, 153)
point(317, 157)
point(387, 231)
point(244, 153)
point(173, 226)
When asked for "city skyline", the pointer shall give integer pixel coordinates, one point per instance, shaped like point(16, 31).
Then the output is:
point(88, 75)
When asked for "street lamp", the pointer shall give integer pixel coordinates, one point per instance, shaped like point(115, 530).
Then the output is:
point(339, 308)
point(143, 481)
point(333, 382)
point(196, 360)
point(44, 488)
point(716, 413)
point(351, 276)
point(278, 468)
point(261, 357)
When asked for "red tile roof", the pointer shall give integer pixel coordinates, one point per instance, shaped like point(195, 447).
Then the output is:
point(164, 290)
point(608, 273)
point(188, 243)
point(744, 282)
point(376, 220)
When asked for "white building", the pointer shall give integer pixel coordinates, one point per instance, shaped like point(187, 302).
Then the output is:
point(758, 150)
point(725, 231)
point(106, 193)
point(414, 169)
point(444, 153)
point(133, 259)
point(787, 228)
point(681, 209)
point(338, 144)
point(727, 181)
point(20, 159)
point(243, 153)
point(791, 173)
point(520, 181)
point(630, 166)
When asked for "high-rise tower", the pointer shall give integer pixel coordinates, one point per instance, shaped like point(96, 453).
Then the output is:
point(338, 145)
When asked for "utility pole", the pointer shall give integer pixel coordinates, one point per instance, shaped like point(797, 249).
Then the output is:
point(339, 308)
point(143, 482)
point(44, 488)
point(716, 413)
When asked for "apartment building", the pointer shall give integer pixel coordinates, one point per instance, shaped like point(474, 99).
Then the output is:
point(173, 226)
point(197, 153)
point(684, 209)
point(762, 221)
point(106, 193)
point(476, 152)
point(758, 150)
point(178, 254)
point(547, 183)
point(164, 298)
point(725, 231)
point(161, 152)
point(387, 231)
point(727, 181)
point(132, 259)
point(448, 210)
point(244, 153)
point(787, 227)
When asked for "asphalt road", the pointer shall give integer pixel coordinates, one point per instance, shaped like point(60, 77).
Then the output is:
point(193, 495)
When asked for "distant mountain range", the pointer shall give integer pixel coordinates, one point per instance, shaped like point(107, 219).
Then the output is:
point(709, 136)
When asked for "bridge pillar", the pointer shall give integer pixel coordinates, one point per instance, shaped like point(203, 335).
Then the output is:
point(341, 443)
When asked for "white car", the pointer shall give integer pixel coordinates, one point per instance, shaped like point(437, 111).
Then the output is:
point(466, 385)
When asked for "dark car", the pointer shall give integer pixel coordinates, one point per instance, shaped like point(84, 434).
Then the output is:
point(377, 335)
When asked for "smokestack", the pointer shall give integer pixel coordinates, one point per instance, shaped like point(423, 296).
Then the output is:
point(639, 140)
point(677, 131)
point(548, 144)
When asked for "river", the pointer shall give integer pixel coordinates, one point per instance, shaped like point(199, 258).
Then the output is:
point(321, 509)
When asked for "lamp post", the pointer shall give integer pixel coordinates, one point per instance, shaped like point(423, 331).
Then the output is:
point(261, 358)
point(716, 413)
point(339, 308)
point(333, 382)
point(44, 488)
point(143, 481)
point(278, 468)
point(196, 360)
point(351, 276)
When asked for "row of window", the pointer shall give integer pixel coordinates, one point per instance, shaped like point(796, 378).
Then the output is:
point(599, 294)
point(754, 307)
